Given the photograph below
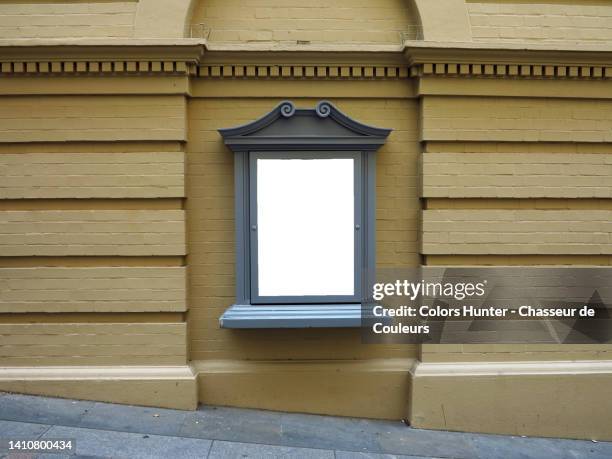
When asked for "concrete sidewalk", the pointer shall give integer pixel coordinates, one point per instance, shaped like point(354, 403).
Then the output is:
point(108, 430)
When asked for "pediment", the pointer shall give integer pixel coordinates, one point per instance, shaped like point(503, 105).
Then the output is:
point(289, 128)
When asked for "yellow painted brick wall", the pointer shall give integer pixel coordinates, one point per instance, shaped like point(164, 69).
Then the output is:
point(516, 175)
point(92, 232)
point(91, 118)
point(587, 21)
point(511, 232)
point(511, 181)
point(516, 119)
point(329, 21)
point(67, 19)
point(92, 175)
point(93, 289)
point(48, 344)
point(534, 155)
point(210, 206)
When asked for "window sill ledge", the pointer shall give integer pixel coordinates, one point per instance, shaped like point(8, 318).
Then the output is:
point(292, 316)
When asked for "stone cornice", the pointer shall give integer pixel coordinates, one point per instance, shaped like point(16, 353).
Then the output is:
point(101, 50)
point(419, 52)
point(294, 47)
point(198, 59)
point(508, 61)
point(416, 52)
point(103, 57)
point(303, 57)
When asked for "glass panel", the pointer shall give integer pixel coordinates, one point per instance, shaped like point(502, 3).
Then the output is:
point(305, 219)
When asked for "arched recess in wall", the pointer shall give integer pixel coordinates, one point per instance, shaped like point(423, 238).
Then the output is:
point(439, 20)
point(163, 18)
point(337, 22)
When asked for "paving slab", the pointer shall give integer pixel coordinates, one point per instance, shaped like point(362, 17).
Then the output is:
point(43, 410)
point(233, 450)
point(233, 424)
point(136, 419)
point(63, 456)
point(101, 443)
point(11, 430)
point(129, 431)
point(512, 447)
point(398, 439)
point(327, 432)
point(356, 455)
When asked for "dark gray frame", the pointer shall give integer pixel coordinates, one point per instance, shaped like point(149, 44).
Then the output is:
point(358, 239)
point(290, 132)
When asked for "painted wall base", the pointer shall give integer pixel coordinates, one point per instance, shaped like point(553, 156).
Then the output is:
point(553, 399)
point(550, 399)
point(167, 387)
point(371, 388)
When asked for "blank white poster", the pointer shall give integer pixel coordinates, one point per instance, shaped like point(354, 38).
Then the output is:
point(306, 227)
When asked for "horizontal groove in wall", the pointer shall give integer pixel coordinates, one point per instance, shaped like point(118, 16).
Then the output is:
point(519, 203)
point(91, 147)
point(92, 204)
point(516, 147)
point(518, 260)
point(92, 317)
point(86, 262)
